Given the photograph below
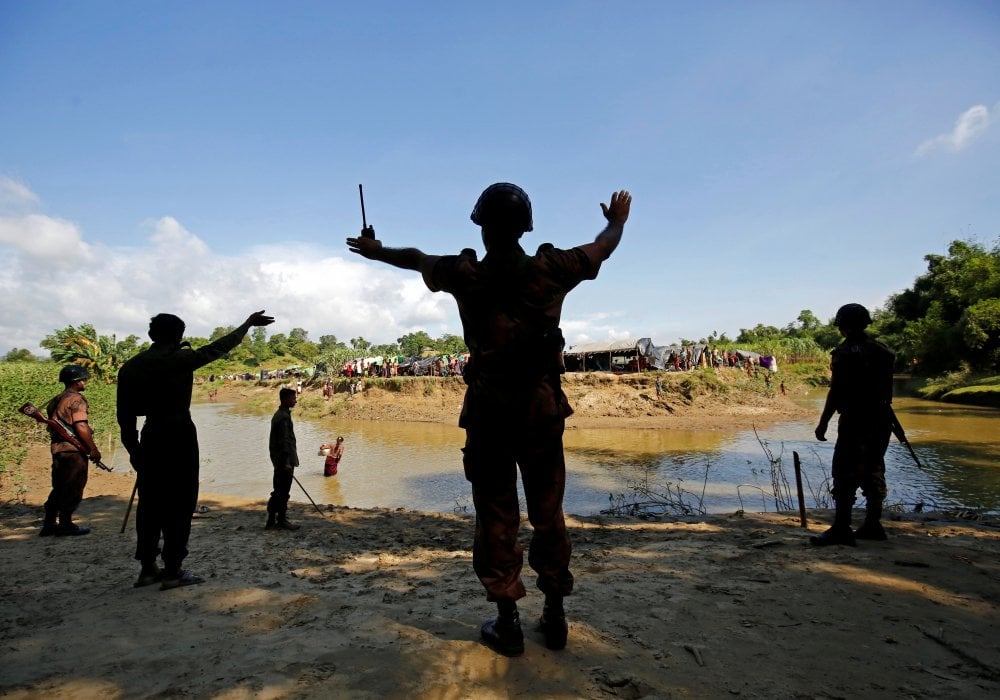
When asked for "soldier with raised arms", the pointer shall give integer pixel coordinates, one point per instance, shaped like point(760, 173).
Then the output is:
point(514, 412)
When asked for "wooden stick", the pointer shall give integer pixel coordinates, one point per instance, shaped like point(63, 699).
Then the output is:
point(798, 488)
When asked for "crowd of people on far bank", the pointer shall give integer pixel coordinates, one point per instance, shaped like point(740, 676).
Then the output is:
point(513, 418)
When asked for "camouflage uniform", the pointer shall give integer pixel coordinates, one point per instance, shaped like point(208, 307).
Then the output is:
point(69, 465)
point(514, 410)
point(861, 392)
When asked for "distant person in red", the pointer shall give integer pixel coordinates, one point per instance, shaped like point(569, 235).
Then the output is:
point(336, 452)
point(514, 413)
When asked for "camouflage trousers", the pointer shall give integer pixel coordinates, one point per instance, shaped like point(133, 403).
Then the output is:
point(69, 478)
point(492, 456)
point(859, 458)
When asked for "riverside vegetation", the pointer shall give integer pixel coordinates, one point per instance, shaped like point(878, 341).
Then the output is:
point(702, 398)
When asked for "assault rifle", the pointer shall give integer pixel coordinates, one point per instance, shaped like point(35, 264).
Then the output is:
point(63, 431)
point(897, 430)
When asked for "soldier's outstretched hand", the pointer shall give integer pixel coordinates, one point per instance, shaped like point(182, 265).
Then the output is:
point(257, 318)
point(617, 211)
point(365, 246)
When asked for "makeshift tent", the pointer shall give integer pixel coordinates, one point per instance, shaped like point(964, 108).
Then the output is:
point(609, 355)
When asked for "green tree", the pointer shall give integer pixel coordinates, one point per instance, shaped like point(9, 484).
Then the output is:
point(101, 355)
point(259, 349)
point(946, 318)
point(758, 333)
point(360, 344)
point(278, 344)
point(450, 344)
point(19, 355)
point(305, 350)
point(412, 344)
point(221, 332)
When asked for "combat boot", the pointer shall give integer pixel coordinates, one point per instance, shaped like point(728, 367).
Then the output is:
point(872, 528)
point(840, 532)
point(553, 623)
point(271, 524)
point(503, 633)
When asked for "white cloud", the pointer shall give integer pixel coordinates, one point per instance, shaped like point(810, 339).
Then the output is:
point(14, 194)
point(50, 277)
point(594, 327)
point(969, 126)
point(55, 241)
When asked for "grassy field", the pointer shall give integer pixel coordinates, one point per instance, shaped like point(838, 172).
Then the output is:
point(963, 387)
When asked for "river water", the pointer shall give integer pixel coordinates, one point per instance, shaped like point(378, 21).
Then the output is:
point(418, 465)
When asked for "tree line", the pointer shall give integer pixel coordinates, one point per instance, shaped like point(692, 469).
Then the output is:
point(948, 319)
point(103, 355)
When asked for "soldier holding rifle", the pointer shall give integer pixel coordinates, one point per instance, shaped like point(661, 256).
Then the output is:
point(156, 384)
point(69, 464)
point(861, 392)
point(510, 304)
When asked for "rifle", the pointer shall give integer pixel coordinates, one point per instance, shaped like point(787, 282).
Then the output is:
point(63, 431)
point(366, 230)
point(897, 430)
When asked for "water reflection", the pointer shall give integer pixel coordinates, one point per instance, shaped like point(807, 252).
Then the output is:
point(418, 465)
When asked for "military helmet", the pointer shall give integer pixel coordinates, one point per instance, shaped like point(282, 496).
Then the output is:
point(73, 373)
point(852, 316)
point(505, 204)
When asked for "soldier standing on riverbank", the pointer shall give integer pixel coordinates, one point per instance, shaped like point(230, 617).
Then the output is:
point(861, 392)
point(156, 384)
point(514, 412)
point(69, 465)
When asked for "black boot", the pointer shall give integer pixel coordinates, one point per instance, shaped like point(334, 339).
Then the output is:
point(503, 633)
point(270, 524)
point(872, 528)
point(840, 532)
point(284, 524)
point(49, 526)
point(67, 528)
point(553, 623)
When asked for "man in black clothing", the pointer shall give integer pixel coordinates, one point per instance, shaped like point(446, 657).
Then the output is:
point(284, 459)
point(861, 392)
point(156, 384)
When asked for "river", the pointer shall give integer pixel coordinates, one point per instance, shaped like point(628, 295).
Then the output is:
point(418, 465)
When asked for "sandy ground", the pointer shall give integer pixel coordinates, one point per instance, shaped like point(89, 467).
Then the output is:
point(384, 604)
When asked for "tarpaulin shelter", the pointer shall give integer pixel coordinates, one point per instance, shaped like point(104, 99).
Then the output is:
point(609, 356)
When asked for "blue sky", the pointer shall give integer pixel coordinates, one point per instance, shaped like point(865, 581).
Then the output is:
point(203, 158)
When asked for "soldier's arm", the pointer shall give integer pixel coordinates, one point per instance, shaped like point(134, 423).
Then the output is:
point(617, 214)
point(78, 415)
point(218, 348)
point(86, 436)
point(404, 258)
